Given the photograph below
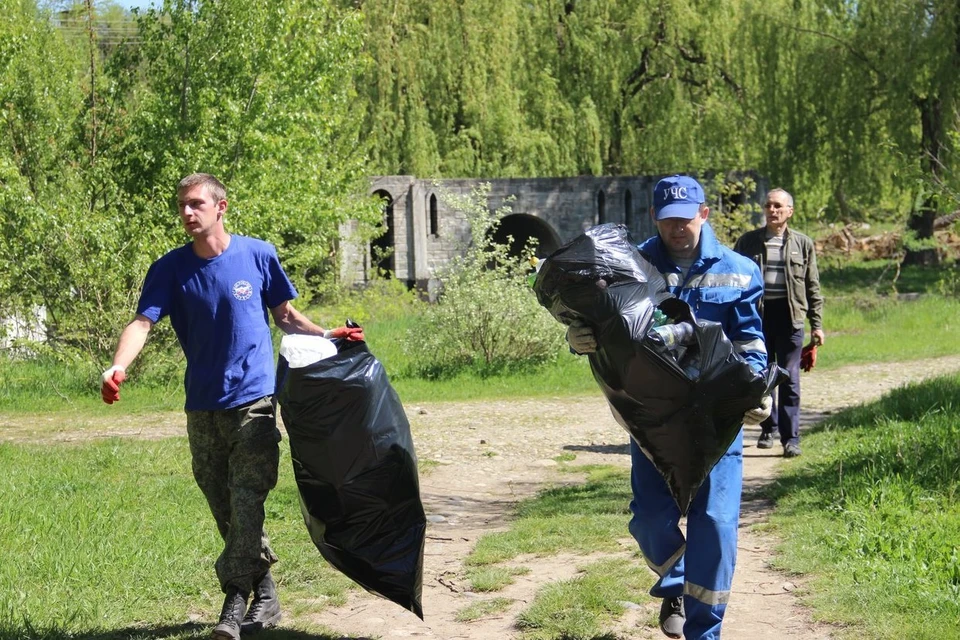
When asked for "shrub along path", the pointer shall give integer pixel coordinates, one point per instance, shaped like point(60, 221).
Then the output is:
point(487, 455)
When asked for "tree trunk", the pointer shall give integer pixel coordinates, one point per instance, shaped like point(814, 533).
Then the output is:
point(921, 220)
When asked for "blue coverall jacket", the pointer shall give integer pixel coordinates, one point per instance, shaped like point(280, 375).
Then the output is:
point(725, 287)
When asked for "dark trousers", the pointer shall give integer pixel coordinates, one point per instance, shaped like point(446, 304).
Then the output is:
point(784, 343)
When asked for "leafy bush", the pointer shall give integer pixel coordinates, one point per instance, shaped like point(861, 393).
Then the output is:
point(731, 212)
point(949, 283)
point(380, 300)
point(487, 318)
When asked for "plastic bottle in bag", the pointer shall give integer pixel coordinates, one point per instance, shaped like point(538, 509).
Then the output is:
point(673, 336)
point(659, 317)
point(535, 263)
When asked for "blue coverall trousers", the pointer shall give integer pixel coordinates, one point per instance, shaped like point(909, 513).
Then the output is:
point(700, 567)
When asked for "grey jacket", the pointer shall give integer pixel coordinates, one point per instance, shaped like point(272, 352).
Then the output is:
point(803, 279)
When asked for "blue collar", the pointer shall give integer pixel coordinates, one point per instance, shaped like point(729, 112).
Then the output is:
point(710, 247)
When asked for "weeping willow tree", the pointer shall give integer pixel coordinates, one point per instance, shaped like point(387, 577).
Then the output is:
point(866, 110)
point(485, 88)
point(850, 105)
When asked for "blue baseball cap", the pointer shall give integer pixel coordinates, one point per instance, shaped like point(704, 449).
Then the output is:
point(677, 197)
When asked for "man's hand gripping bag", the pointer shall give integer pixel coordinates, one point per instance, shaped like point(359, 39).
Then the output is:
point(684, 412)
point(356, 470)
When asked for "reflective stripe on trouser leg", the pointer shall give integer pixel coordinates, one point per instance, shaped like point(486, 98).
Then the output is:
point(655, 525)
point(711, 555)
point(235, 457)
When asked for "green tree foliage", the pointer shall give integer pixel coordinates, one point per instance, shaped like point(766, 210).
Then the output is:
point(483, 88)
point(261, 95)
point(100, 122)
point(851, 106)
point(487, 319)
point(867, 100)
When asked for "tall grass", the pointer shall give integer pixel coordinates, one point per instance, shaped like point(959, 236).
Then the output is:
point(843, 277)
point(863, 324)
point(872, 513)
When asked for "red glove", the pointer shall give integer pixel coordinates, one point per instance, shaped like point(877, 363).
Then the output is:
point(808, 357)
point(110, 389)
point(353, 334)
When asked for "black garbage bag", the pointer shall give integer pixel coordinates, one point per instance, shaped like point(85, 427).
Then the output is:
point(683, 404)
point(356, 471)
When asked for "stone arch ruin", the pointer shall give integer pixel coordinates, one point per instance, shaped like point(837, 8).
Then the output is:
point(425, 232)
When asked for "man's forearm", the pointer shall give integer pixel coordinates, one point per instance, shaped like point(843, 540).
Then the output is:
point(289, 320)
point(131, 341)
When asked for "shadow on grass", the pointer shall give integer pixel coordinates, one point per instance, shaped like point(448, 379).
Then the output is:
point(606, 492)
point(187, 631)
point(909, 437)
point(878, 276)
point(606, 449)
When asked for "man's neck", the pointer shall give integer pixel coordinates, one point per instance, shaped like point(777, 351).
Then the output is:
point(776, 230)
point(685, 257)
point(211, 246)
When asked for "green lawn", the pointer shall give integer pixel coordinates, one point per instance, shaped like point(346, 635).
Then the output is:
point(871, 513)
point(102, 537)
point(861, 326)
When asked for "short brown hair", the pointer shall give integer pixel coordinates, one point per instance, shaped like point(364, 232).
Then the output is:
point(214, 186)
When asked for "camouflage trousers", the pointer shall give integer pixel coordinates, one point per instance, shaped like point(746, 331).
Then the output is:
point(236, 456)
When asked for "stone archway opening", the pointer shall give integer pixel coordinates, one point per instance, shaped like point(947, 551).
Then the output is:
point(522, 228)
point(382, 248)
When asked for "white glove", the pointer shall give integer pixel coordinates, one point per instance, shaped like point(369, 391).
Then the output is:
point(580, 338)
point(108, 374)
point(753, 417)
point(110, 381)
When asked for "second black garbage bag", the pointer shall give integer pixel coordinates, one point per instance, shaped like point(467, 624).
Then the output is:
point(356, 470)
point(682, 400)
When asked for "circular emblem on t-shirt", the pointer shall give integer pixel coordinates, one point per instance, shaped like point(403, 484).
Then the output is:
point(242, 290)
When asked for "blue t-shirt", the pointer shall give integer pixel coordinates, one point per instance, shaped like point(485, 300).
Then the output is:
point(219, 311)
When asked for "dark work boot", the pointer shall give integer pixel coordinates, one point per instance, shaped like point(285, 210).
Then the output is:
point(765, 441)
point(264, 611)
point(234, 606)
point(672, 617)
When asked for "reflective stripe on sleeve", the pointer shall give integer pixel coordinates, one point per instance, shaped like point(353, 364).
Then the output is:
point(709, 280)
point(749, 345)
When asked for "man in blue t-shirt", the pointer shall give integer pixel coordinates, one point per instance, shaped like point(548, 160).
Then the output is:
point(219, 291)
point(722, 286)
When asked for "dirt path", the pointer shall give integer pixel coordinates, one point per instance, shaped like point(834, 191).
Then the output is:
point(492, 454)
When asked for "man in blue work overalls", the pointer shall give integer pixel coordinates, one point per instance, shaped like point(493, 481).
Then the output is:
point(695, 572)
